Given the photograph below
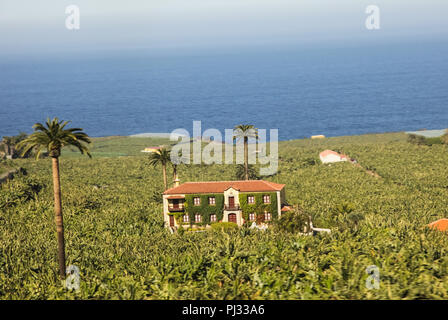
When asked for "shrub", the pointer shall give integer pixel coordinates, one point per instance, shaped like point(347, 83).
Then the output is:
point(431, 141)
point(415, 139)
point(349, 222)
point(293, 221)
point(344, 208)
point(422, 141)
point(181, 231)
point(346, 217)
point(224, 226)
point(17, 191)
point(444, 138)
point(307, 162)
point(240, 173)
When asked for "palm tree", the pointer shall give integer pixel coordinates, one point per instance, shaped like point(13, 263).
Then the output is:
point(13, 142)
point(174, 171)
point(240, 172)
point(161, 156)
point(175, 162)
point(53, 138)
point(245, 131)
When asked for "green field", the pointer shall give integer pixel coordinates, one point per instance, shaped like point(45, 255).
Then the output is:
point(118, 146)
point(115, 235)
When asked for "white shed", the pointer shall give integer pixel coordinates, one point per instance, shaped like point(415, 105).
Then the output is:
point(329, 156)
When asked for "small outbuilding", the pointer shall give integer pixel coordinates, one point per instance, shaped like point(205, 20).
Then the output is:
point(330, 156)
point(151, 149)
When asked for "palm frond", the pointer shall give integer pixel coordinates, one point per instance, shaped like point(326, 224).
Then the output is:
point(53, 137)
point(162, 156)
point(245, 131)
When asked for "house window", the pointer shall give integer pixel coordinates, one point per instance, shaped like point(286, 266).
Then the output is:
point(266, 199)
point(212, 201)
point(197, 201)
point(250, 199)
point(186, 218)
point(267, 216)
point(251, 216)
point(213, 218)
point(197, 218)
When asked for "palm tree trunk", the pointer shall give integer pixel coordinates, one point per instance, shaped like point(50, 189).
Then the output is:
point(246, 157)
point(58, 216)
point(164, 176)
point(174, 172)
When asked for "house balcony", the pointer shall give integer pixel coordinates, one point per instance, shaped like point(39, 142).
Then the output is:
point(234, 207)
point(179, 208)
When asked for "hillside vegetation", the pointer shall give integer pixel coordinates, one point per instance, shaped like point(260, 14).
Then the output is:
point(6, 166)
point(115, 235)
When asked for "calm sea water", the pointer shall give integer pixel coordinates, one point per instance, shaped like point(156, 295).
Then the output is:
point(301, 92)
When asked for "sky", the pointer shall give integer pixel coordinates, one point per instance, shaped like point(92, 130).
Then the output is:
point(32, 27)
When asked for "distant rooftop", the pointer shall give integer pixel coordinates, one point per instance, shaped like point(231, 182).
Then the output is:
point(151, 149)
point(429, 133)
point(441, 225)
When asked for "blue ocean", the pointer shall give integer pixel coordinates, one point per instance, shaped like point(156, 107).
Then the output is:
point(301, 91)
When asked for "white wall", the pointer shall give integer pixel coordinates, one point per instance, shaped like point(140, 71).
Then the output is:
point(332, 158)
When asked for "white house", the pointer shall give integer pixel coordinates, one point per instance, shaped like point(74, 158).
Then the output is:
point(329, 156)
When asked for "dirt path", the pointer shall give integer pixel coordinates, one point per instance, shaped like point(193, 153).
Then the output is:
point(370, 172)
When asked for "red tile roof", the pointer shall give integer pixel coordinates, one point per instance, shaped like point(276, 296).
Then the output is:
point(175, 197)
point(221, 186)
point(441, 225)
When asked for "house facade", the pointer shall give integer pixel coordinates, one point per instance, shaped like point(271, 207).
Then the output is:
point(240, 202)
